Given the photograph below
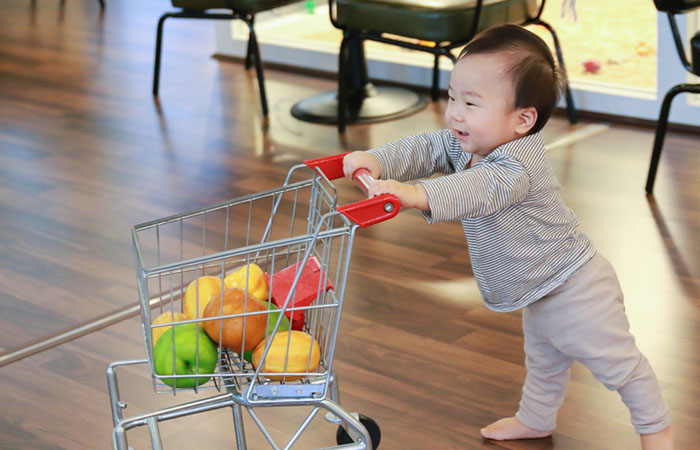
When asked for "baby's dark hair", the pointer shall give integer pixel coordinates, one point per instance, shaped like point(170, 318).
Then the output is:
point(537, 80)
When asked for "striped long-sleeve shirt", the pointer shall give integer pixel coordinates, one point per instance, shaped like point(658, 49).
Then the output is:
point(522, 238)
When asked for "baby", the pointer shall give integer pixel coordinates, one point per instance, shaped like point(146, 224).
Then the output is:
point(525, 250)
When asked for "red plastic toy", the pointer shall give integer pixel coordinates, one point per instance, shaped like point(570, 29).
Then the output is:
point(306, 291)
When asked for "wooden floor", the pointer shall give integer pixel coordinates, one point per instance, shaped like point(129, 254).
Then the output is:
point(85, 154)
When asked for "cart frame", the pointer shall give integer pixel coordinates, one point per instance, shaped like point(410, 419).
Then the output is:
point(239, 383)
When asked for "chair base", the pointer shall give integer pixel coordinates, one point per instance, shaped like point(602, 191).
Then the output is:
point(379, 103)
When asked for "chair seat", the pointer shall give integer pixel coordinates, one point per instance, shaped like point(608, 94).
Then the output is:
point(676, 6)
point(239, 6)
point(430, 20)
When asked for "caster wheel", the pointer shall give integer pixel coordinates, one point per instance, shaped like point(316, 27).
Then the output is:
point(342, 436)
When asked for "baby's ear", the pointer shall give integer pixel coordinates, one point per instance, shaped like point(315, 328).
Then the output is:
point(525, 120)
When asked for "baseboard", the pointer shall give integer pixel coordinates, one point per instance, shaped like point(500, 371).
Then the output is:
point(628, 121)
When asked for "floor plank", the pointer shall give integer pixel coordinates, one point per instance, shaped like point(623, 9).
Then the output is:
point(85, 154)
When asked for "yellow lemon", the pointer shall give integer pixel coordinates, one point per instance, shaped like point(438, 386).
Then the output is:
point(257, 285)
point(208, 287)
point(166, 317)
point(304, 354)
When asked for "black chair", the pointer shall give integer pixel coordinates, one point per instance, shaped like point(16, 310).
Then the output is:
point(244, 10)
point(436, 27)
point(671, 8)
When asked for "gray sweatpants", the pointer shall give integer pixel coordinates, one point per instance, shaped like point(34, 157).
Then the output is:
point(584, 320)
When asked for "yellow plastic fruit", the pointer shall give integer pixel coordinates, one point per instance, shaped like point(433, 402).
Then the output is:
point(298, 359)
point(166, 317)
point(257, 285)
point(208, 287)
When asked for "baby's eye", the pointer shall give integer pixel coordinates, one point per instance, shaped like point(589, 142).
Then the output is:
point(451, 98)
point(470, 104)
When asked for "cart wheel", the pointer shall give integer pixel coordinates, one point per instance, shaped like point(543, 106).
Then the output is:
point(342, 436)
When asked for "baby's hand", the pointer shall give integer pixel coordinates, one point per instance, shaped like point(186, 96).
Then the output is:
point(359, 160)
point(410, 195)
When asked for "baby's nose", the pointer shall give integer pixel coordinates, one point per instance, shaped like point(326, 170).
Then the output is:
point(456, 115)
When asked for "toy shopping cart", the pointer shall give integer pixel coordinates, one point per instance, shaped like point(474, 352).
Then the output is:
point(243, 300)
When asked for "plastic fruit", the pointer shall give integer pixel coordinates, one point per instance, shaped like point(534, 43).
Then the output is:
point(273, 316)
point(208, 287)
point(193, 353)
point(166, 317)
point(231, 329)
point(256, 282)
point(298, 360)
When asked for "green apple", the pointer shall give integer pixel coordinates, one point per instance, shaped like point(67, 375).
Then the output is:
point(191, 347)
point(271, 321)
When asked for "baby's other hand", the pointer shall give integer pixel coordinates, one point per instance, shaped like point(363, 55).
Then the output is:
point(360, 160)
point(410, 195)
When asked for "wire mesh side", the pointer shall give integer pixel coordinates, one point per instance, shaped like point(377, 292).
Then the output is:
point(273, 230)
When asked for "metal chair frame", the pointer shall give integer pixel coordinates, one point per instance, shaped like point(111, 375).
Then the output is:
point(252, 54)
point(662, 124)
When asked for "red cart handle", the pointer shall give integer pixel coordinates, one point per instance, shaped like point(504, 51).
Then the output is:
point(365, 212)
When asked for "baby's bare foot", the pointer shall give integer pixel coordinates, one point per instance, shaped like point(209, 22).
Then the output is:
point(511, 428)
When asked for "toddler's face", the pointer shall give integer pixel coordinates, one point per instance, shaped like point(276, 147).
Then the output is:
point(480, 111)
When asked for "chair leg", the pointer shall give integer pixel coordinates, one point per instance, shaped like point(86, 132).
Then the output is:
point(661, 128)
point(102, 4)
point(435, 92)
point(253, 44)
point(343, 56)
point(250, 53)
point(570, 107)
point(159, 45)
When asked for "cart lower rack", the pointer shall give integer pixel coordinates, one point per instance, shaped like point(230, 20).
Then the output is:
point(242, 300)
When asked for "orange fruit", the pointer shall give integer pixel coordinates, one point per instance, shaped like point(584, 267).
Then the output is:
point(229, 332)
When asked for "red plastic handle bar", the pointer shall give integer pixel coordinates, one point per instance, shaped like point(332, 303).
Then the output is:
point(365, 212)
point(331, 166)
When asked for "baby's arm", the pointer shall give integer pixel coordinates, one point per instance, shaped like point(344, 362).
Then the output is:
point(481, 191)
point(410, 195)
point(410, 158)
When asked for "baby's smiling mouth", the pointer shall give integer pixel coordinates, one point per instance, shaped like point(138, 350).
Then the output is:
point(461, 133)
